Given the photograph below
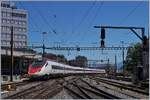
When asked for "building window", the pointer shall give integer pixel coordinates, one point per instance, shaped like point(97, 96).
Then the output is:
point(4, 28)
point(3, 35)
point(20, 29)
point(24, 30)
point(8, 35)
point(4, 43)
point(23, 43)
point(8, 14)
point(8, 29)
point(4, 21)
point(16, 29)
point(16, 36)
point(19, 15)
point(8, 43)
point(8, 21)
point(12, 21)
point(23, 37)
point(19, 23)
point(16, 44)
point(3, 14)
point(5, 5)
point(19, 44)
point(16, 22)
point(23, 23)
point(19, 37)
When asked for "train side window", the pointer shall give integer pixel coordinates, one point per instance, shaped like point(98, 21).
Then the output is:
point(46, 64)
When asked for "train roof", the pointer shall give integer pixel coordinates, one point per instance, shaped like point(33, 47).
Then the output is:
point(67, 66)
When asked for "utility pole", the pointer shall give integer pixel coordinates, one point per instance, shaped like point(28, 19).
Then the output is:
point(43, 47)
point(43, 55)
point(123, 58)
point(108, 61)
point(12, 60)
point(115, 70)
point(144, 55)
point(11, 43)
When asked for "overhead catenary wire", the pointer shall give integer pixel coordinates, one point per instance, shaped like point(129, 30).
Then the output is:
point(44, 19)
point(95, 16)
point(130, 13)
point(84, 17)
point(37, 29)
point(97, 12)
point(34, 23)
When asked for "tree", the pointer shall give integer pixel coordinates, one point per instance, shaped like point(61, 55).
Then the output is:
point(134, 57)
point(72, 62)
point(50, 56)
point(61, 58)
point(81, 61)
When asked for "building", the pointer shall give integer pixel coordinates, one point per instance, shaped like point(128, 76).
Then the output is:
point(22, 58)
point(11, 16)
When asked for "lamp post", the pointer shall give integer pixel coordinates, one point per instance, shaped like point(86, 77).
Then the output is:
point(43, 33)
point(123, 58)
point(11, 43)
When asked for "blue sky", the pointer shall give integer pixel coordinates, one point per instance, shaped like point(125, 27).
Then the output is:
point(74, 21)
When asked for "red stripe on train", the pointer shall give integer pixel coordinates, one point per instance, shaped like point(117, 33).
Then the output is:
point(34, 69)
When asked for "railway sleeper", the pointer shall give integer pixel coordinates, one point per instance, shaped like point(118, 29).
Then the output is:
point(21, 93)
point(82, 91)
point(99, 91)
point(79, 96)
point(126, 87)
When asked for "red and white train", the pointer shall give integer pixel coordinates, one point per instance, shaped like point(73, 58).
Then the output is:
point(47, 68)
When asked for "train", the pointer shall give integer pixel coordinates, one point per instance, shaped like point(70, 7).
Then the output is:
point(47, 68)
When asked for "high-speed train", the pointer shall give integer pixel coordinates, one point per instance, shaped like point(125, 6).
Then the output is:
point(48, 68)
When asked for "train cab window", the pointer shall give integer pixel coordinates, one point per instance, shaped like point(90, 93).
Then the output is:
point(57, 67)
point(46, 64)
point(38, 63)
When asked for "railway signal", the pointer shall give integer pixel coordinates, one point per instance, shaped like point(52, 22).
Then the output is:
point(143, 38)
point(102, 38)
point(102, 43)
point(102, 33)
point(78, 49)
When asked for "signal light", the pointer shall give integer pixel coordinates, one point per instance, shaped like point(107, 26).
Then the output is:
point(102, 43)
point(78, 49)
point(102, 33)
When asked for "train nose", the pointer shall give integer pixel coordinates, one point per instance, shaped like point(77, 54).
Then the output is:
point(34, 70)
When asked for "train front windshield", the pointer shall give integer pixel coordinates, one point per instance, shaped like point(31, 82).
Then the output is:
point(38, 63)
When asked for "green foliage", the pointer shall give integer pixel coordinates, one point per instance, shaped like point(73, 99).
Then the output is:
point(80, 61)
point(134, 56)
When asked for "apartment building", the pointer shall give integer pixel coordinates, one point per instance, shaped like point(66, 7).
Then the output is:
point(11, 16)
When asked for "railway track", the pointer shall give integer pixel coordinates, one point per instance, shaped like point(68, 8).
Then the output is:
point(14, 85)
point(43, 90)
point(48, 91)
point(101, 92)
point(124, 86)
point(88, 92)
point(23, 93)
point(75, 86)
